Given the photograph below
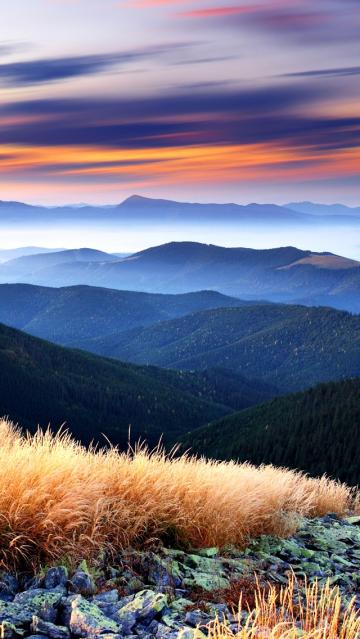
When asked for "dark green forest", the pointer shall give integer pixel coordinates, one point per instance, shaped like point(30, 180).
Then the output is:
point(317, 431)
point(292, 347)
point(41, 383)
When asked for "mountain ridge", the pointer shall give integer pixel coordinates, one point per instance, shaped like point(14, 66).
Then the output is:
point(181, 267)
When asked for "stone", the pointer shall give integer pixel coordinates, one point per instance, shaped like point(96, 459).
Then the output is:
point(87, 619)
point(190, 633)
point(206, 581)
point(208, 552)
point(196, 618)
point(133, 585)
point(164, 572)
point(353, 521)
point(144, 607)
point(109, 596)
point(83, 584)
point(10, 631)
point(164, 632)
point(8, 584)
point(54, 577)
point(41, 602)
point(15, 614)
point(51, 630)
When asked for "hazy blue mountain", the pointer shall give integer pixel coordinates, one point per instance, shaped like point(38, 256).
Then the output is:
point(285, 274)
point(71, 315)
point(317, 431)
point(44, 265)
point(10, 254)
point(312, 208)
point(137, 209)
point(292, 347)
point(171, 211)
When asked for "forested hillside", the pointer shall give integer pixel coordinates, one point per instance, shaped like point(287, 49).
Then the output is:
point(71, 314)
point(317, 431)
point(41, 383)
point(292, 347)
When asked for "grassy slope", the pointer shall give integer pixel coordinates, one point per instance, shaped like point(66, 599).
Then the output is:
point(317, 430)
point(60, 500)
point(292, 347)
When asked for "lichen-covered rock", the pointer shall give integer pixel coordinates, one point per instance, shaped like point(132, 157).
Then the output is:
point(144, 606)
point(206, 581)
point(196, 618)
point(164, 632)
point(10, 631)
point(8, 586)
point(108, 596)
point(54, 577)
point(15, 614)
point(164, 572)
point(49, 629)
point(83, 584)
point(323, 548)
point(208, 552)
point(88, 620)
point(191, 633)
point(41, 602)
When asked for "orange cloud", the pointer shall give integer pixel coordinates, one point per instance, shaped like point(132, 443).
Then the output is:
point(207, 164)
point(221, 11)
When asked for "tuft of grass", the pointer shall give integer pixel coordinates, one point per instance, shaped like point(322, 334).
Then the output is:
point(317, 613)
point(59, 499)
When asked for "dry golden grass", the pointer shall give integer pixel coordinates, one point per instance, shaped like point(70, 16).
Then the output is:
point(59, 500)
point(284, 614)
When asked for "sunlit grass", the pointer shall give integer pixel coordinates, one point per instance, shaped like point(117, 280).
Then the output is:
point(58, 499)
point(318, 614)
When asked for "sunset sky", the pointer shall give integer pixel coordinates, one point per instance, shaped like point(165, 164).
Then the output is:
point(187, 99)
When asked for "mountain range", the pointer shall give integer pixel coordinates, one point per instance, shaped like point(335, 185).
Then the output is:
point(137, 209)
point(284, 274)
point(71, 315)
point(288, 346)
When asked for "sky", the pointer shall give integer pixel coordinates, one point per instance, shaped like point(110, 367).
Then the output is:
point(206, 100)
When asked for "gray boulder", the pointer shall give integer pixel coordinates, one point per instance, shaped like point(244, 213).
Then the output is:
point(49, 629)
point(88, 620)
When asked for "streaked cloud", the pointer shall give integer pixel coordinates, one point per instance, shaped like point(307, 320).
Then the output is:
point(303, 20)
point(336, 72)
point(39, 71)
point(208, 93)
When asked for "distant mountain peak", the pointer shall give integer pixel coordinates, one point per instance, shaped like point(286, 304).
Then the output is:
point(135, 199)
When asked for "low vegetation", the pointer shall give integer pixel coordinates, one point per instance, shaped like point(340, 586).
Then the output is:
point(60, 500)
point(316, 613)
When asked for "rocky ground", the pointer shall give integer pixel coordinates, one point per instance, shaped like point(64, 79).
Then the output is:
point(159, 593)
